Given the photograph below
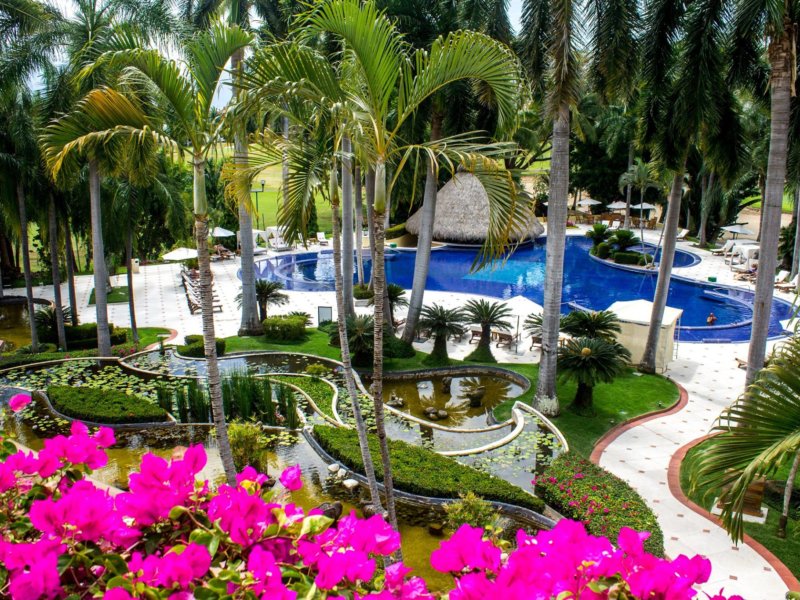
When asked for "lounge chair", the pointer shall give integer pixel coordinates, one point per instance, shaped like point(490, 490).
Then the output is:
point(323, 241)
point(790, 286)
point(279, 245)
point(505, 339)
point(724, 250)
point(781, 276)
point(682, 234)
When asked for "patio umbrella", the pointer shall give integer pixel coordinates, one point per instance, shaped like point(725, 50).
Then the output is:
point(522, 307)
point(737, 230)
point(221, 232)
point(589, 202)
point(181, 254)
point(643, 206)
point(618, 205)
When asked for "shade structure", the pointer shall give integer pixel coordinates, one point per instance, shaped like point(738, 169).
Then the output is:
point(221, 232)
point(634, 317)
point(738, 230)
point(181, 254)
point(617, 205)
point(462, 214)
point(522, 306)
point(643, 206)
point(589, 202)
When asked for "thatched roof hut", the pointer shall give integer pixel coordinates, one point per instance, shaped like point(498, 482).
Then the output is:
point(462, 214)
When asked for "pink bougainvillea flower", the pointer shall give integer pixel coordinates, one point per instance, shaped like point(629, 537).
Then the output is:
point(19, 401)
point(249, 474)
point(466, 549)
point(176, 567)
point(33, 568)
point(244, 516)
point(290, 478)
point(267, 574)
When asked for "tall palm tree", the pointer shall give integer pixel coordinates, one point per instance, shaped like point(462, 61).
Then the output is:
point(442, 323)
point(548, 41)
point(638, 176)
point(588, 362)
point(756, 435)
point(105, 116)
point(487, 315)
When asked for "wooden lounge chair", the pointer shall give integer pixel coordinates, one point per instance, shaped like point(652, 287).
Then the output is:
point(789, 286)
point(475, 335)
point(536, 340)
point(505, 339)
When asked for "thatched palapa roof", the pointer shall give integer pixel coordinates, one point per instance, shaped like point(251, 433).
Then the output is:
point(462, 214)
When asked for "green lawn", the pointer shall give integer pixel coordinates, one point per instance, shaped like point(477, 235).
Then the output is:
point(269, 200)
point(117, 295)
point(788, 202)
point(787, 550)
point(149, 335)
point(629, 396)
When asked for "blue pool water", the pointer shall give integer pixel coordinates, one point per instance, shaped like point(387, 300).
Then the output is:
point(587, 282)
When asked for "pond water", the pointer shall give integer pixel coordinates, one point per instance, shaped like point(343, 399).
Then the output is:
point(14, 328)
point(468, 402)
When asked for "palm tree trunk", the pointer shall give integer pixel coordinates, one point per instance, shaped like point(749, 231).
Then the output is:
point(627, 223)
point(359, 207)
point(546, 400)
point(369, 182)
point(69, 259)
point(705, 210)
point(781, 63)
point(285, 163)
point(584, 399)
point(379, 285)
point(796, 252)
point(207, 308)
point(422, 260)
point(26, 263)
point(361, 427)
point(100, 269)
point(347, 228)
point(53, 227)
point(250, 323)
point(648, 364)
point(129, 265)
point(787, 496)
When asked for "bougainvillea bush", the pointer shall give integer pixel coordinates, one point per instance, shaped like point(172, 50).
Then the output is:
point(173, 536)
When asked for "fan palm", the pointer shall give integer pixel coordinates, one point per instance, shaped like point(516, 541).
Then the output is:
point(756, 435)
point(442, 323)
point(269, 292)
point(602, 324)
point(487, 315)
point(105, 115)
point(599, 233)
point(589, 362)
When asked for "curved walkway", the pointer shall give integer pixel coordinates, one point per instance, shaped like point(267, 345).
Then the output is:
point(642, 455)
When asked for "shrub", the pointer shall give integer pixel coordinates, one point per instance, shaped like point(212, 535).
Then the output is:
point(394, 347)
point(318, 370)
point(602, 250)
point(248, 446)
point(362, 292)
point(421, 471)
point(472, 510)
point(395, 231)
point(329, 328)
point(645, 259)
point(193, 348)
point(104, 405)
point(626, 258)
point(285, 328)
point(581, 490)
point(84, 337)
point(303, 314)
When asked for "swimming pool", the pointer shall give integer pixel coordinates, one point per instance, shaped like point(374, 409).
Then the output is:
point(588, 282)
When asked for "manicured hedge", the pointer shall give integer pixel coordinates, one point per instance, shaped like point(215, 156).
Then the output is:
point(423, 472)
point(626, 258)
point(193, 347)
point(285, 328)
point(602, 250)
point(84, 337)
point(580, 490)
point(103, 406)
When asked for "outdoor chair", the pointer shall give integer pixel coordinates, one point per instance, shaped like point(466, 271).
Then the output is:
point(682, 234)
point(781, 276)
point(723, 251)
point(505, 339)
point(790, 286)
point(475, 336)
point(536, 340)
point(323, 241)
point(651, 224)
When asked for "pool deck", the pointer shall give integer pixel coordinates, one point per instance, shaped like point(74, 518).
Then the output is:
point(643, 455)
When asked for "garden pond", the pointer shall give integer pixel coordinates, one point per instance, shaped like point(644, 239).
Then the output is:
point(14, 329)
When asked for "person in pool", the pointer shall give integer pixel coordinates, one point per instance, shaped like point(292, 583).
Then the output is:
point(711, 319)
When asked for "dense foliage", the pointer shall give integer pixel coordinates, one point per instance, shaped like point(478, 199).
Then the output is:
point(193, 347)
point(605, 504)
point(104, 406)
point(284, 328)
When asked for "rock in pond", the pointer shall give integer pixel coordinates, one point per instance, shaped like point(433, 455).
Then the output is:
point(350, 484)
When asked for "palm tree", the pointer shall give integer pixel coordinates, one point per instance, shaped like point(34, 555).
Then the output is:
point(599, 233)
point(756, 435)
point(487, 315)
point(589, 362)
point(105, 115)
point(548, 40)
point(602, 324)
point(269, 292)
point(638, 176)
point(442, 323)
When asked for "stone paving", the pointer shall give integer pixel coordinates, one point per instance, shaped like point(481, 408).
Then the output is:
point(641, 455)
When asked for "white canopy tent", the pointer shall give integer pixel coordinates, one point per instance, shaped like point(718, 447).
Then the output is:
point(634, 316)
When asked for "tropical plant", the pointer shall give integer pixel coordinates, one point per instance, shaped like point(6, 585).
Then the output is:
point(589, 362)
point(602, 324)
point(442, 323)
point(395, 296)
point(755, 436)
point(487, 315)
point(267, 293)
point(360, 336)
point(46, 321)
point(638, 176)
point(624, 239)
point(599, 233)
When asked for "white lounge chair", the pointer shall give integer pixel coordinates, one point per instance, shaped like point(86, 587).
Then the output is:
point(682, 234)
point(790, 286)
point(323, 241)
point(279, 245)
point(781, 276)
point(723, 251)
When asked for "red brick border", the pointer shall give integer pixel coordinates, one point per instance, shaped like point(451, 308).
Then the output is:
point(674, 481)
point(616, 431)
point(173, 333)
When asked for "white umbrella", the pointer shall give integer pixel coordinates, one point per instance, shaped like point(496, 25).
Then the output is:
point(643, 206)
point(589, 202)
point(737, 230)
point(181, 254)
point(221, 232)
point(618, 205)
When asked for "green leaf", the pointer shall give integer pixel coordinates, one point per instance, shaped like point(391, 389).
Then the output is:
point(315, 524)
point(207, 539)
point(115, 563)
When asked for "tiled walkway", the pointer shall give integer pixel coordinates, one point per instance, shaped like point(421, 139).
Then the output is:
point(641, 455)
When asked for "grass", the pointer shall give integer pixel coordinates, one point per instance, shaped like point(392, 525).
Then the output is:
point(267, 202)
point(788, 202)
point(149, 335)
point(629, 396)
point(787, 550)
point(117, 295)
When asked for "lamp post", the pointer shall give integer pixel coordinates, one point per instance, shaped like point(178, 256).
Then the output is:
point(257, 192)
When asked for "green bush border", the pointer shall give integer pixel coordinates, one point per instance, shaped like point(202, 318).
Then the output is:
point(420, 471)
point(572, 483)
point(104, 406)
point(194, 348)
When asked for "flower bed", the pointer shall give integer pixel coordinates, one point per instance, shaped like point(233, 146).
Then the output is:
point(104, 406)
point(581, 490)
point(421, 471)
